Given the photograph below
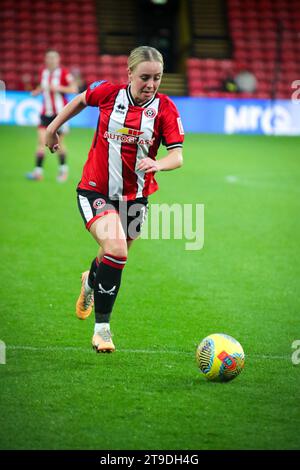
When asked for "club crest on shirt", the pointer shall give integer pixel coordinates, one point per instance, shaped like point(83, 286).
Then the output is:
point(150, 113)
point(99, 203)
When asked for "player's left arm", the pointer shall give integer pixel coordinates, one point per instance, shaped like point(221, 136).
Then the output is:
point(173, 160)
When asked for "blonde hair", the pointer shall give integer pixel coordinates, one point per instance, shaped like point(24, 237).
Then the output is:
point(52, 51)
point(144, 54)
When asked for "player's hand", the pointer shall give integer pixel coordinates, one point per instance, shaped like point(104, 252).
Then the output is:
point(52, 141)
point(148, 165)
point(35, 92)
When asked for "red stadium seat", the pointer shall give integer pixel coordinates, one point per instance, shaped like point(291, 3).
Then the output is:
point(253, 27)
point(121, 60)
point(89, 69)
point(106, 70)
point(106, 59)
point(72, 7)
point(87, 8)
point(193, 63)
point(8, 45)
point(194, 74)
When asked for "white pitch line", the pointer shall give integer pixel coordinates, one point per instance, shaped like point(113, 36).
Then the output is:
point(78, 348)
point(254, 182)
point(135, 351)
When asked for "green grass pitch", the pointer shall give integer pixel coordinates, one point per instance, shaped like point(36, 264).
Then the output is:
point(56, 393)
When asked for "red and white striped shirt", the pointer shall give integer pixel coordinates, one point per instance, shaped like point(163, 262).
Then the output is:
point(53, 102)
point(125, 134)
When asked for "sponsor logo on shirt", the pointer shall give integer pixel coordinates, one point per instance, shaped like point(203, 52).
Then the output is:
point(128, 131)
point(128, 136)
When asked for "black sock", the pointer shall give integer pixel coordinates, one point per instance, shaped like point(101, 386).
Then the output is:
point(107, 284)
point(92, 274)
point(39, 159)
point(62, 158)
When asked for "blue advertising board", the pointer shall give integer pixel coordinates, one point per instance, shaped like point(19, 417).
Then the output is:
point(207, 115)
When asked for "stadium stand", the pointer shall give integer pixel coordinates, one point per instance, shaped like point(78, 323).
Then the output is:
point(92, 39)
point(30, 27)
point(265, 41)
point(228, 36)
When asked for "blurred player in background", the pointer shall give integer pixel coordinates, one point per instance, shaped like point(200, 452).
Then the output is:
point(55, 82)
point(119, 174)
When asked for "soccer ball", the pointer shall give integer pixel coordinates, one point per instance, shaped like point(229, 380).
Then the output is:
point(220, 357)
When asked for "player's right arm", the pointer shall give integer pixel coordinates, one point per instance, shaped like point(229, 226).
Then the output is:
point(70, 110)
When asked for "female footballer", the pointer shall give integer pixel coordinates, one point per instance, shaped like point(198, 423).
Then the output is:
point(55, 81)
point(119, 174)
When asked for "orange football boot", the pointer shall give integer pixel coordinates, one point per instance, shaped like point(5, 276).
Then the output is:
point(85, 302)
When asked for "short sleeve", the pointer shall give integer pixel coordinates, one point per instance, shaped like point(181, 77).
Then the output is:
point(171, 126)
point(97, 92)
point(66, 78)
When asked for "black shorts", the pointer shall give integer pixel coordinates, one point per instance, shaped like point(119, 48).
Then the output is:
point(93, 205)
point(46, 120)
